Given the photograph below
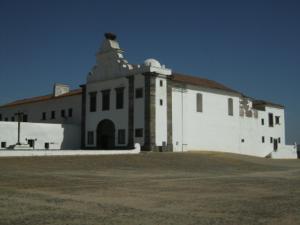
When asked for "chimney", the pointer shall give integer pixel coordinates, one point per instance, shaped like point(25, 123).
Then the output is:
point(60, 89)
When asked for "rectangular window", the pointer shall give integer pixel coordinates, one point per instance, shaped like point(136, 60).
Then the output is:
point(63, 113)
point(119, 98)
point(279, 140)
point(161, 83)
point(161, 102)
point(105, 99)
point(277, 119)
point(44, 116)
point(0, 117)
point(199, 103)
point(93, 101)
point(25, 118)
point(3, 144)
point(271, 140)
point(70, 112)
point(139, 132)
point(52, 115)
point(262, 122)
point(230, 107)
point(138, 92)
point(12, 118)
point(271, 122)
point(263, 139)
point(47, 145)
point(121, 136)
point(90, 139)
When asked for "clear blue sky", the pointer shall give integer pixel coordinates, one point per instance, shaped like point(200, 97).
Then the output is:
point(251, 46)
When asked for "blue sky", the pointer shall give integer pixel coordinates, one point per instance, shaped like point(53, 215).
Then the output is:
point(251, 46)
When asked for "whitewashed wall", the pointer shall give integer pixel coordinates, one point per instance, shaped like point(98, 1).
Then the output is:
point(59, 136)
point(36, 109)
point(214, 130)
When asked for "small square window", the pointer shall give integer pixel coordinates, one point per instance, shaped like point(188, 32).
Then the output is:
point(139, 132)
point(243, 140)
point(139, 93)
point(3, 144)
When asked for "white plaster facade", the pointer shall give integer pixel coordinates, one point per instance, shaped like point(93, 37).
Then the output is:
point(165, 117)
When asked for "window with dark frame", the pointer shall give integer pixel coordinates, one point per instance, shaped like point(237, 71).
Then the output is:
point(263, 139)
point(161, 102)
point(52, 115)
point(277, 119)
point(63, 113)
point(161, 83)
point(90, 138)
point(47, 145)
point(139, 132)
point(230, 107)
point(271, 120)
point(121, 136)
point(199, 102)
point(44, 116)
point(25, 118)
point(105, 100)
point(120, 98)
point(93, 101)
point(3, 144)
point(262, 122)
point(70, 112)
point(138, 92)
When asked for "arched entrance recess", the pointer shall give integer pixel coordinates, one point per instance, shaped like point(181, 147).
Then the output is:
point(106, 134)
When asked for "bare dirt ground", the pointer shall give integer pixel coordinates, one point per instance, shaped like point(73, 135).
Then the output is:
point(152, 188)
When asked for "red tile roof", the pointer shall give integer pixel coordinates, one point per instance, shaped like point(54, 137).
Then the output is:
point(41, 98)
point(199, 81)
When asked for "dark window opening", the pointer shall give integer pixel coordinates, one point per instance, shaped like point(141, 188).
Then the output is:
point(105, 100)
point(52, 114)
point(121, 136)
point(30, 142)
point(70, 112)
point(277, 119)
point(139, 93)
point(90, 138)
point(139, 132)
point(271, 122)
point(25, 118)
point(279, 140)
point(262, 122)
point(6, 119)
point(263, 139)
point(161, 102)
point(47, 145)
point(3, 144)
point(230, 107)
point(199, 102)
point(0, 117)
point(12, 118)
point(271, 140)
point(93, 101)
point(44, 116)
point(63, 113)
point(243, 140)
point(161, 83)
point(119, 98)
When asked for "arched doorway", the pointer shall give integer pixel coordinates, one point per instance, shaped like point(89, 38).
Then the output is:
point(106, 134)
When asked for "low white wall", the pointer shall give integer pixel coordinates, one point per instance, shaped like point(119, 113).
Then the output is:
point(20, 153)
point(59, 136)
point(285, 152)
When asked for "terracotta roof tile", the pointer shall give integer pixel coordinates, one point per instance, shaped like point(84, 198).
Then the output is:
point(41, 98)
point(203, 82)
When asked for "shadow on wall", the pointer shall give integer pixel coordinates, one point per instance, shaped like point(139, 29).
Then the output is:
point(71, 137)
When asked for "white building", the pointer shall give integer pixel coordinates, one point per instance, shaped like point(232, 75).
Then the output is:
point(122, 104)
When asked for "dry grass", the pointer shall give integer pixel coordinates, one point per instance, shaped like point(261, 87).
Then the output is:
point(153, 188)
